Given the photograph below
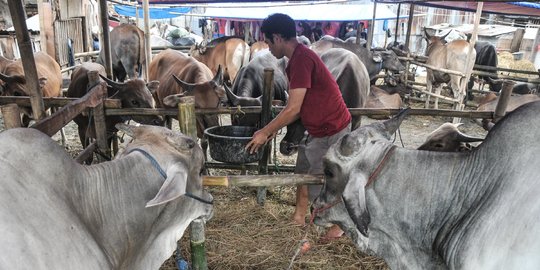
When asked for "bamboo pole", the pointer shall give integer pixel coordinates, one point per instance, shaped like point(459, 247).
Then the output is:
point(372, 27)
point(397, 24)
point(105, 40)
point(266, 117)
point(12, 115)
point(186, 122)
point(263, 180)
point(409, 25)
point(453, 72)
point(25, 47)
point(186, 116)
point(147, 46)
point(469, 63)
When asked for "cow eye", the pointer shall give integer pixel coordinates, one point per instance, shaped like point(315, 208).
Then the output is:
point(201, 172)
point(438, 145)
point(328, 173)
point(135, 103)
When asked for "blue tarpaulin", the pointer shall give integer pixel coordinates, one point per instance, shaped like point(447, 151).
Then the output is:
point(154, 13)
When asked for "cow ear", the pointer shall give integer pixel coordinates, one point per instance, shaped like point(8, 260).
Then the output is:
point(173, 100)
point(128, 129)
point(218, 79)
point(354, 198)
point(42, 82)
point(393, 124)
point(173, 187)
point(181, 143)
point(153, 86)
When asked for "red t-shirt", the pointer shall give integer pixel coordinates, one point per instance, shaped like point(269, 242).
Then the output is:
point(323, 111)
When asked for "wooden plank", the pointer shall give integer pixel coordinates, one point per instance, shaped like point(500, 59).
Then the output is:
point(105, 40)
point(11, 115)
point(53, 123)
point(86, 153)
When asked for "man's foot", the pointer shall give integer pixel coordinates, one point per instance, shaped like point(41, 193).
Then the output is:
point(333, 233)
point(299, 218)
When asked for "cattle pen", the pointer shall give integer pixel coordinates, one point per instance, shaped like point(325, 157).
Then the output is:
point(103, 107)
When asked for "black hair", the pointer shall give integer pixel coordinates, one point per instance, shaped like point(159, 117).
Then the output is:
point(280, 24)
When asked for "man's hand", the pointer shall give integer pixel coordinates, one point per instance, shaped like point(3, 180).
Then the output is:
point(259, 139)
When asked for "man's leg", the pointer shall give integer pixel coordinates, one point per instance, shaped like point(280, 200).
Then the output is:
point(299, 216)
point(302, 167)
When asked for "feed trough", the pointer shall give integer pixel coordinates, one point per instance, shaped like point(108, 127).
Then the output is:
point(227, 144)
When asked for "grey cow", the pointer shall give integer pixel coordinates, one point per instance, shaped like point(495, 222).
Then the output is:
point(429, 210)
point(124, 214)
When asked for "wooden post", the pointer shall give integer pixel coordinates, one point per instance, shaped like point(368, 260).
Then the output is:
point(148, 47)
point(29, 65)
point(186, 116)
point(105, 40)
point(12, 116)
point(187, 124)
point(506, 91)
point(99, 119)
point(397, 24)
point(372, 27)
point(469, 63)
point(409, 25)
point(266, 117)
point(516, 40)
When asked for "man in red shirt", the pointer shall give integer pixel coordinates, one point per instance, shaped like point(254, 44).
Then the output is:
point(314, 97)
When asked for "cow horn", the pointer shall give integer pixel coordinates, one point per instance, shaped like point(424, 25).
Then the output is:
point(393, 124)
point(5, 77)
point(462, 137)
point(442, 37)
point(426, 34)
point(112, 83)
point(187, 87)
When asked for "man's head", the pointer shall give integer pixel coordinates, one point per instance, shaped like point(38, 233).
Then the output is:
point(279, 24)
point(279, 33)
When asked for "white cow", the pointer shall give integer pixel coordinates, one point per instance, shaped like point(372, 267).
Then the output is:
point(430, 210)
point(124, 214)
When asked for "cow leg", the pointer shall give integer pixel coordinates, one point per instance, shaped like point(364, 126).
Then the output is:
point(438, 92)
point(429, 88)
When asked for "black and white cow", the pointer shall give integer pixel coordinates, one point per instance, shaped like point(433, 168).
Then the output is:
point(433, 210)
point(123, 214)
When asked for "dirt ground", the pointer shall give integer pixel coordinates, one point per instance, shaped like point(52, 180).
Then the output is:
point(245, 235)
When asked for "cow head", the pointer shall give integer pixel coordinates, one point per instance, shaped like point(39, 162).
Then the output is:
point(434, 40)
point(447, 138)
point(181, 159)
point(15, 85)
point(210, 94)
point(348, 165)
point(135, 93)
point(390, 61)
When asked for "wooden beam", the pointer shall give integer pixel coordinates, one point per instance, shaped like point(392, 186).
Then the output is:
point(55, 102)
point(263, 180)
point(11, 115)
point(372, 27)
point(25, 47)
point(409, 25)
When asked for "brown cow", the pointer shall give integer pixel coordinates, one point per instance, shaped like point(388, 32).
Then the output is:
point(489, 103)
point(49, 75)
point(228, 52)
point(134, 93)
point(452, 56)
point(181, 75)
point(380, 99)
point(127, 52)
point(256, 47)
